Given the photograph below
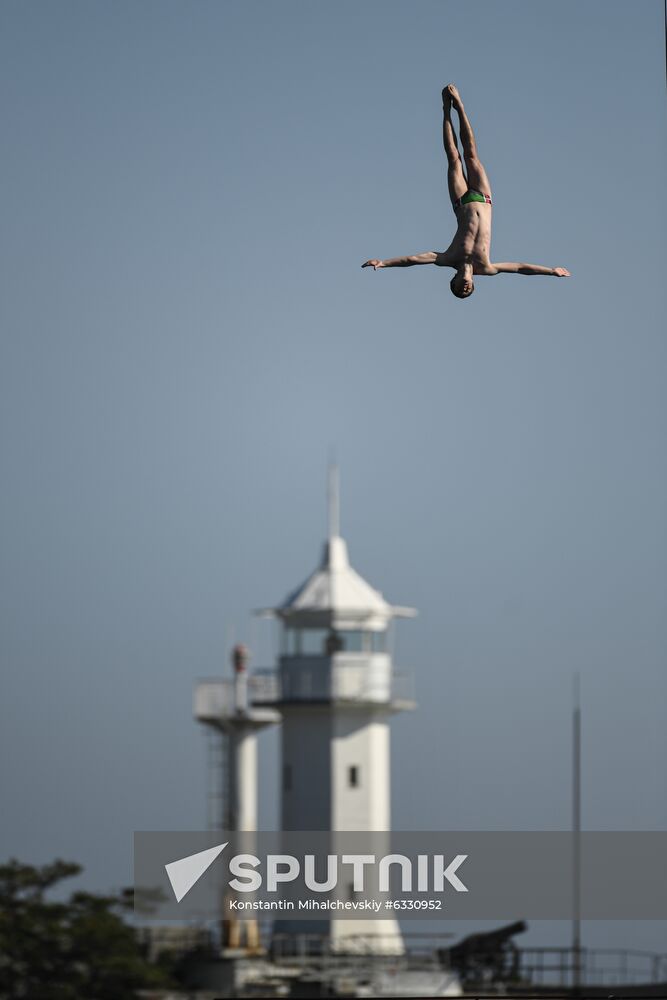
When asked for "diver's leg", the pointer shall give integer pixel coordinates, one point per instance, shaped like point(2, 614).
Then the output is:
point(456, 180)
point(477, 177)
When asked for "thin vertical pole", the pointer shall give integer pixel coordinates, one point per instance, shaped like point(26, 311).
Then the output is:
point(576, 837)
point(334, 501)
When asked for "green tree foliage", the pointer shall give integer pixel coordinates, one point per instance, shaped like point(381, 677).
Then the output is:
point(81, 949)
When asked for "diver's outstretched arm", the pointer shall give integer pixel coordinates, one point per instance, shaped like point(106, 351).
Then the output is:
point(510, 267)
point(430, 257)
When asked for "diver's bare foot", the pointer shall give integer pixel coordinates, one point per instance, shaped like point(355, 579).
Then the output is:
point(454, 95)
point(446, 98)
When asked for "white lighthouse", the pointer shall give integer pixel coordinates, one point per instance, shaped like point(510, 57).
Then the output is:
point(336, 692)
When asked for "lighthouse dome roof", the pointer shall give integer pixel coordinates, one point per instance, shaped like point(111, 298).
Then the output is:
point(336, 596)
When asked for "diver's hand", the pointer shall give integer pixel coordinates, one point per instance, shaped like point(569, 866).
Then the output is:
point(374, 264)
point(562, 272)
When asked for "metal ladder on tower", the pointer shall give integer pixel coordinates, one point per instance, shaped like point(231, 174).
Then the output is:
point(216, 777)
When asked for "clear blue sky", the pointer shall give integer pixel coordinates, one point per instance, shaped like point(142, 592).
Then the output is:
point(188, 190)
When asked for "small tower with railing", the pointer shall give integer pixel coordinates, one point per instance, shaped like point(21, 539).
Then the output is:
point(226, 708)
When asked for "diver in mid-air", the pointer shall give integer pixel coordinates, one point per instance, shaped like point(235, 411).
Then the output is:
point(468, 253)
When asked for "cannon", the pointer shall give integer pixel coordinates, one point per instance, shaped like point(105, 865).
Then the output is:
point(489, 956)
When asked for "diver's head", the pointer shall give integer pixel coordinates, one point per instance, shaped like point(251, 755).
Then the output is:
point(462, 284)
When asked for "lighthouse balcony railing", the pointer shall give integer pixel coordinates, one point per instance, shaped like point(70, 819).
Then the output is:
point(346, 677)
point(216, 697)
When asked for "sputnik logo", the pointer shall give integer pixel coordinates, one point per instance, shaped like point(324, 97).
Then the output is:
point(185, 872)
point(281, 868)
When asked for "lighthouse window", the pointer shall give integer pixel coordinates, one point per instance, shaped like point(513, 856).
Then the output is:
point(313, 641)
point(353, 642)
point(292, 642)
point(325, 641)
point(353, 776)
point(379, 642)
point(358, 641)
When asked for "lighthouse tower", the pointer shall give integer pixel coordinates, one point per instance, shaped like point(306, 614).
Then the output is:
point(337, 691)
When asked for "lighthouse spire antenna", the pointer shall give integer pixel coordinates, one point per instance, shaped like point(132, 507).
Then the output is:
point(334, 500)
